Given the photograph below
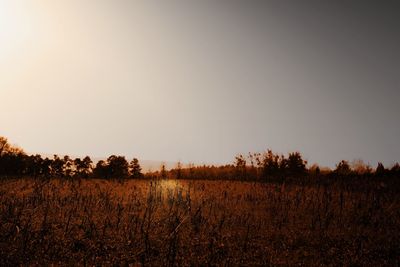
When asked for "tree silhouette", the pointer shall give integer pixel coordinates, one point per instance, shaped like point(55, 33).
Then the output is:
point(343, 168)
point(34, 165)
point(270, 165)
point(83, 167)
point(240, 167)
point(4, 145)
point(46, 167)
point(68, 166)
point(78, 164)
point(101, 170)
point(163, 172)
point(135, 169)
point(118, 166)
point(12, 159)
point(395, 170)
point(86, 166)
point(380, 169)
point(296, 166)
point(57, 166)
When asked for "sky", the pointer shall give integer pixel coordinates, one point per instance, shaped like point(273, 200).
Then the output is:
point(202, 81)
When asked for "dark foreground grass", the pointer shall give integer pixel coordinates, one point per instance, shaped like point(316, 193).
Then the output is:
point(174, 223)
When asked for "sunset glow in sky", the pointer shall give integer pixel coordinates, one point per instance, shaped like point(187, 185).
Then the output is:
point(201, 81)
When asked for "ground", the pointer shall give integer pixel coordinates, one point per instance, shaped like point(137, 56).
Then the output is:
point(181, 222)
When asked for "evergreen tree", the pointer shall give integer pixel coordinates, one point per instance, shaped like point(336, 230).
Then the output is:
point(135, 169)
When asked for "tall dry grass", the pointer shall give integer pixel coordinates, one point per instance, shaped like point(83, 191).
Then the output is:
point(175, 223)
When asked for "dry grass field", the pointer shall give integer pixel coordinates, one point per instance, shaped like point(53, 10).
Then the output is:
point(196, 223)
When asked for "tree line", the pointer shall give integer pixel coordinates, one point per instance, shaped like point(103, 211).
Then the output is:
point(267, 166)
point(272, 167)
point(14, 162)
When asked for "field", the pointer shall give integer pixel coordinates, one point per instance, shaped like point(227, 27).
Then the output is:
point(181, 223)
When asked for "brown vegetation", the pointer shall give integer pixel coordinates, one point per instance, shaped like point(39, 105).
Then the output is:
point(181, 222)
point(265, 209)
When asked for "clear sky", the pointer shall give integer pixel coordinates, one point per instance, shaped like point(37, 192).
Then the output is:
point(200, 81)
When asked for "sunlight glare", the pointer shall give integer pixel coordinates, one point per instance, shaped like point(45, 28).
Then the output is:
point(170, 184)
point(17, 27)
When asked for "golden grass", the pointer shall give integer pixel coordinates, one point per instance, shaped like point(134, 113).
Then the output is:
point(171, 222)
